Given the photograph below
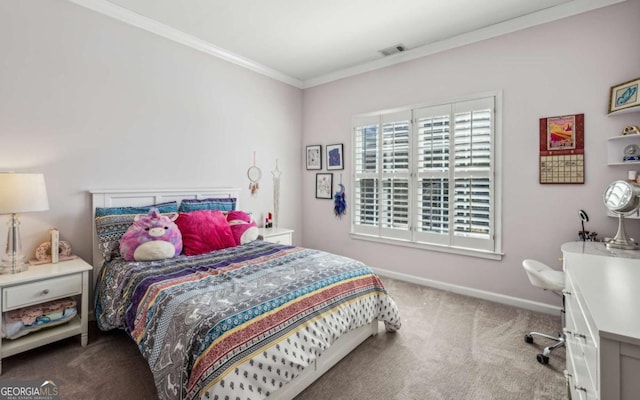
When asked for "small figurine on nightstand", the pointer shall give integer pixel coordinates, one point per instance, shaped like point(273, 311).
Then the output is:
point(268, 222)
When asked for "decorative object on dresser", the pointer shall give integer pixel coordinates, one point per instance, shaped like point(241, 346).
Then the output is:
point(621, 198)
point(41, 285)
point(19, 193)
point(625, 96)
point(544, 277)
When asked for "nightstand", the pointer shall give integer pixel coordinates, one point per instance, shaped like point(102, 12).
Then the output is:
point(39, 284)
point(277, 235)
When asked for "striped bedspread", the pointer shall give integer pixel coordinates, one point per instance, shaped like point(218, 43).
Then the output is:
point(240, 322)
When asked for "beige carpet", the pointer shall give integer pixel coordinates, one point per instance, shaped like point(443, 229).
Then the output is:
point(450, 347)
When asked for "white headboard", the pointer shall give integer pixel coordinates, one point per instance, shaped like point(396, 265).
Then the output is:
point(141, 197)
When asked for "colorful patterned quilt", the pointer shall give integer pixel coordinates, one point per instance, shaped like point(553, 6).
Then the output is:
point(240, 322)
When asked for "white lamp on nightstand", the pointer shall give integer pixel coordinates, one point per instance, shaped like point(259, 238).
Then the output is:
point(19, 193)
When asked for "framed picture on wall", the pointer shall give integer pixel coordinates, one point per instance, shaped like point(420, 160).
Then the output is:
point(314, 157)
point(624, 95)
point(335, 158)
point(562, 149)
point(324, 186)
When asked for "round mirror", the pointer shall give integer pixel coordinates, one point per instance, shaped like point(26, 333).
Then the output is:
point(622, 196)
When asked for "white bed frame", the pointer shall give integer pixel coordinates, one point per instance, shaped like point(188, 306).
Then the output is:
point(132, 197)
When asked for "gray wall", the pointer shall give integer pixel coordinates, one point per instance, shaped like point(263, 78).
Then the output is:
point(94, 103)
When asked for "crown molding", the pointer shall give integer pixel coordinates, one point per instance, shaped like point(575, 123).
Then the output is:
point(527, 21)
point(129, 17)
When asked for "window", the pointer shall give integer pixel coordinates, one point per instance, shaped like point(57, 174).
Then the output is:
point(426, 176)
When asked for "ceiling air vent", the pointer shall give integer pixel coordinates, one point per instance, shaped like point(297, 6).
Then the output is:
point(398, 48)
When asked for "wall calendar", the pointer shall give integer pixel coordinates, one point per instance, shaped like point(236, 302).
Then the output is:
point(562, 149)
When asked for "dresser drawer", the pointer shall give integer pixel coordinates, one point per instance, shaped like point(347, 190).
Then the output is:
point(580, 366)
point(574, 375)
point(582, 345)
point(40, 291)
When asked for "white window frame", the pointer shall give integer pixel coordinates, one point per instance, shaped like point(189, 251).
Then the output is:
point(425, 240)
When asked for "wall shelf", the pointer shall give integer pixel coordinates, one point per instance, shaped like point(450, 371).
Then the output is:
point(624, 111)
point(616, 146)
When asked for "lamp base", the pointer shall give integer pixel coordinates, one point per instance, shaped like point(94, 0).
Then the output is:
point(13, 261)
point(13, 266)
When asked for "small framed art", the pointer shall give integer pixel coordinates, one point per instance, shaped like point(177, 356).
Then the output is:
point(335, 158)
point(314, 157)
point(324, 185)
point(624, 95)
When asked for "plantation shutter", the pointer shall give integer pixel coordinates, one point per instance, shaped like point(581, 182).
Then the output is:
point(473, 174)
point(427, 175)
point(366, 144)
point(431, 178)
point(395, 168)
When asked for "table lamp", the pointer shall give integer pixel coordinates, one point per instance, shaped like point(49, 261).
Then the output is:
point(19, 193)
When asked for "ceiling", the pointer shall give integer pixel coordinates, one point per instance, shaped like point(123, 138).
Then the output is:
point(309, 42)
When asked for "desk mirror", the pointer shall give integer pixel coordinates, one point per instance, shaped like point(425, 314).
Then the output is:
point(621, 198)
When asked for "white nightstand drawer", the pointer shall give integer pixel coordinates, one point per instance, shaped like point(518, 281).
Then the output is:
point(38, 292)
point(280, 239)
point(278, 235)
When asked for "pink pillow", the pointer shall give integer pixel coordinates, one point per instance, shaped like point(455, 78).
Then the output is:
point(204, 231)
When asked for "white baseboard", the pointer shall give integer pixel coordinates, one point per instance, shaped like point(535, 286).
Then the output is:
point(481, 294)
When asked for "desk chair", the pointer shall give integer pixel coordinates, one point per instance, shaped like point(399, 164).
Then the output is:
point(542, 276)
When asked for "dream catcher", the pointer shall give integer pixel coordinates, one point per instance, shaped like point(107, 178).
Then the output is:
point(339, 201)
point(254, 174)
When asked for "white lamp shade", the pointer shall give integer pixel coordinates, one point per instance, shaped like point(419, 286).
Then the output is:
point(21, 193)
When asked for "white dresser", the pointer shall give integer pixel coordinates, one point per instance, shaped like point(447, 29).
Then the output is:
point(602, 324)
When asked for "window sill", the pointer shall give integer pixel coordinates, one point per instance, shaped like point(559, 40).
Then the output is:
point(432, 247)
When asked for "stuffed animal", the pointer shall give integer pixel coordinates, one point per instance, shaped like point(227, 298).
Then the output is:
point(630, 129)
point(151, 237)
point(244, 229)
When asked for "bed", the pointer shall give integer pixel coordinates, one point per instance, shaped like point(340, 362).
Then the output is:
point(252, 321)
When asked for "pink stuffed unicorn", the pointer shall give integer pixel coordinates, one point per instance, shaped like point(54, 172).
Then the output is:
point(151, 237)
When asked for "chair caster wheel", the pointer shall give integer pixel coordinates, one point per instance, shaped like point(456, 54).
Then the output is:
point(542, 359)
point(528, 338)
